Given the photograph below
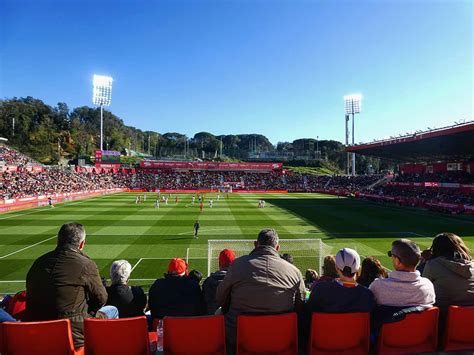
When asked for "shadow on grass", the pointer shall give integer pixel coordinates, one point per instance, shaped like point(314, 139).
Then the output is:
point(351, 218)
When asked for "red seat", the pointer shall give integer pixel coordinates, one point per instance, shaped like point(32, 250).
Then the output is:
point(116, 336)
point(49, 337)
point(418, 332)
point(194, 335)
point(277, 334)
point(341, 333)
point(459, 334)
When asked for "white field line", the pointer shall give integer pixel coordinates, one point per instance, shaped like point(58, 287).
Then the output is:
point(134, 266)
point(28, 247)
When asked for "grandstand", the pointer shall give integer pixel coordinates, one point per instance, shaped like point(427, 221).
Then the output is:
point(436, 169)
point(331, 211)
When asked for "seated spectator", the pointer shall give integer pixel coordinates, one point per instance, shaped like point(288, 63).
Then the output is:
point(342, 294)
point(176, 294)
point(65, 283)
point(404, 287)
point(209, 287)
point(129, 300)
point(259, 283)
point(370, 270)
point(310, 277)
point(329, 270)
point(451, 270)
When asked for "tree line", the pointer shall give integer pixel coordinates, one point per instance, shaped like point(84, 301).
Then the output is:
point(49, 134)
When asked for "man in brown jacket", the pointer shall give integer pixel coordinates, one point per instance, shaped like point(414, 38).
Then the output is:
point(65, 283)
point(259, 283)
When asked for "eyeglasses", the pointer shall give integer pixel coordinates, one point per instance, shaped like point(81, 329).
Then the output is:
point(390, 254)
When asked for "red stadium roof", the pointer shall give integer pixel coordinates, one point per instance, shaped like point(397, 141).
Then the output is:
point(454, 142)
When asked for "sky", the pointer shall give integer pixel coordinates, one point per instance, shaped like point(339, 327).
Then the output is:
point(277, 68)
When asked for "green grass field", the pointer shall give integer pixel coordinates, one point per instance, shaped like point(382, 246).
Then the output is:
point(148, 237)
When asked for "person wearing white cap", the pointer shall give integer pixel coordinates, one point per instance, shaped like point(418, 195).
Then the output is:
point(342, 294)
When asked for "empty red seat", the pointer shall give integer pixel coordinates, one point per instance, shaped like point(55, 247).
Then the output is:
point(459, 334)
point(417, 333)
point(49, 337)
point(116, 336)
point(276, 334)
point(194, 335)
point(341, 333)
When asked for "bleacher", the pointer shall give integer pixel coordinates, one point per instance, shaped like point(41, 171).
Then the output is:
point(267, 334)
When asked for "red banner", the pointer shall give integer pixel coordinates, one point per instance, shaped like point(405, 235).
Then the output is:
point(191, 165)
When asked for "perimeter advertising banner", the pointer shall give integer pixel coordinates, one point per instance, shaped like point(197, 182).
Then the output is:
point(209, 165)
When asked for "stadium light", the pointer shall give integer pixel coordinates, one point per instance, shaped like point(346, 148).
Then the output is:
point(352, 106)
point(102, 96)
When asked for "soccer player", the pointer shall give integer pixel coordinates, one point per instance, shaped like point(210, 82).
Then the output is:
point(144, 196)
point(166, 201)
point(210, 203)
point(50, 202)
point(137, 199)
point(193, 199)
point(157, 203)
point(196, 229)
point(176, 199)
point(218, 197)
point(201, 206)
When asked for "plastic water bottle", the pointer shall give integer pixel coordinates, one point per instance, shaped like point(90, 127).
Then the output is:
point(159, 333)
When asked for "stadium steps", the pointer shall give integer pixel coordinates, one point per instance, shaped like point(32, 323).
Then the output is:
point(380, 182)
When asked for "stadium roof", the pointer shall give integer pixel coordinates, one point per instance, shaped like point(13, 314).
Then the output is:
point(447, 143)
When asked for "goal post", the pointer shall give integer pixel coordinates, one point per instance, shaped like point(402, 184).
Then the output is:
point(306, 253)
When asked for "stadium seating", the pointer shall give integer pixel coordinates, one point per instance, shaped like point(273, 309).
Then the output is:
point(116, 336)
point(37, 338)
point(343, 333)
point(275, 334)
point(459, 334)
point(197, 335)
point(417, 333)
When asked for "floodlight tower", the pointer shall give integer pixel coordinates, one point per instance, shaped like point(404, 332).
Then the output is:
point(102, 96)
point(352, 105)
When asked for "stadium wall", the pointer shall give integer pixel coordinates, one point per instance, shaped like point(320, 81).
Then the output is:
point(32, 202)
point(204, 191)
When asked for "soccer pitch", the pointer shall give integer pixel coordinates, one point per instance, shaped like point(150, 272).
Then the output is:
point(117, 228)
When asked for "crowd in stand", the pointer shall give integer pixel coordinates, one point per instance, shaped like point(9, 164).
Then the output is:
point(262, 282)
point(427, 194)
point(24, 183)
point(10, 156)
point(458, 177)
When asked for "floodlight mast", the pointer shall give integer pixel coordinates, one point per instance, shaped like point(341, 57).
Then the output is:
point(352, 104)
point(102, 96)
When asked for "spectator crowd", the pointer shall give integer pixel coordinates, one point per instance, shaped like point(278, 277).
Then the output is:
point(52, 180)
point(65, 283)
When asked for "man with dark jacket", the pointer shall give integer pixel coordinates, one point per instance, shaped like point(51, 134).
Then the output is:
point(209, 287)
point(176, 294)
point(260, 283)
point(65, 283)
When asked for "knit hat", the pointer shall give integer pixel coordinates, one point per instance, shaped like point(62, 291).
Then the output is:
point(347, 257)
point(226, 257)
point(177, 266)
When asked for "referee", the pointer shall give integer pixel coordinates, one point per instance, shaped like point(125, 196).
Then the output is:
point(196, 229)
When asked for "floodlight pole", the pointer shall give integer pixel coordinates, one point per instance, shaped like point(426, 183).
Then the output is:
point(101, 127)
point(353, 143)
point(347, 145)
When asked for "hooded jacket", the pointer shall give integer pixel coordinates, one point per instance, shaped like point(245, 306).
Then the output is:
point(453, 281)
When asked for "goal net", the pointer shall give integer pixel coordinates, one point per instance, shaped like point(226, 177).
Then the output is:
point(306, 253)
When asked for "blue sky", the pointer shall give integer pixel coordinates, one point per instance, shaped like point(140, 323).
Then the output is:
point(279, 68)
